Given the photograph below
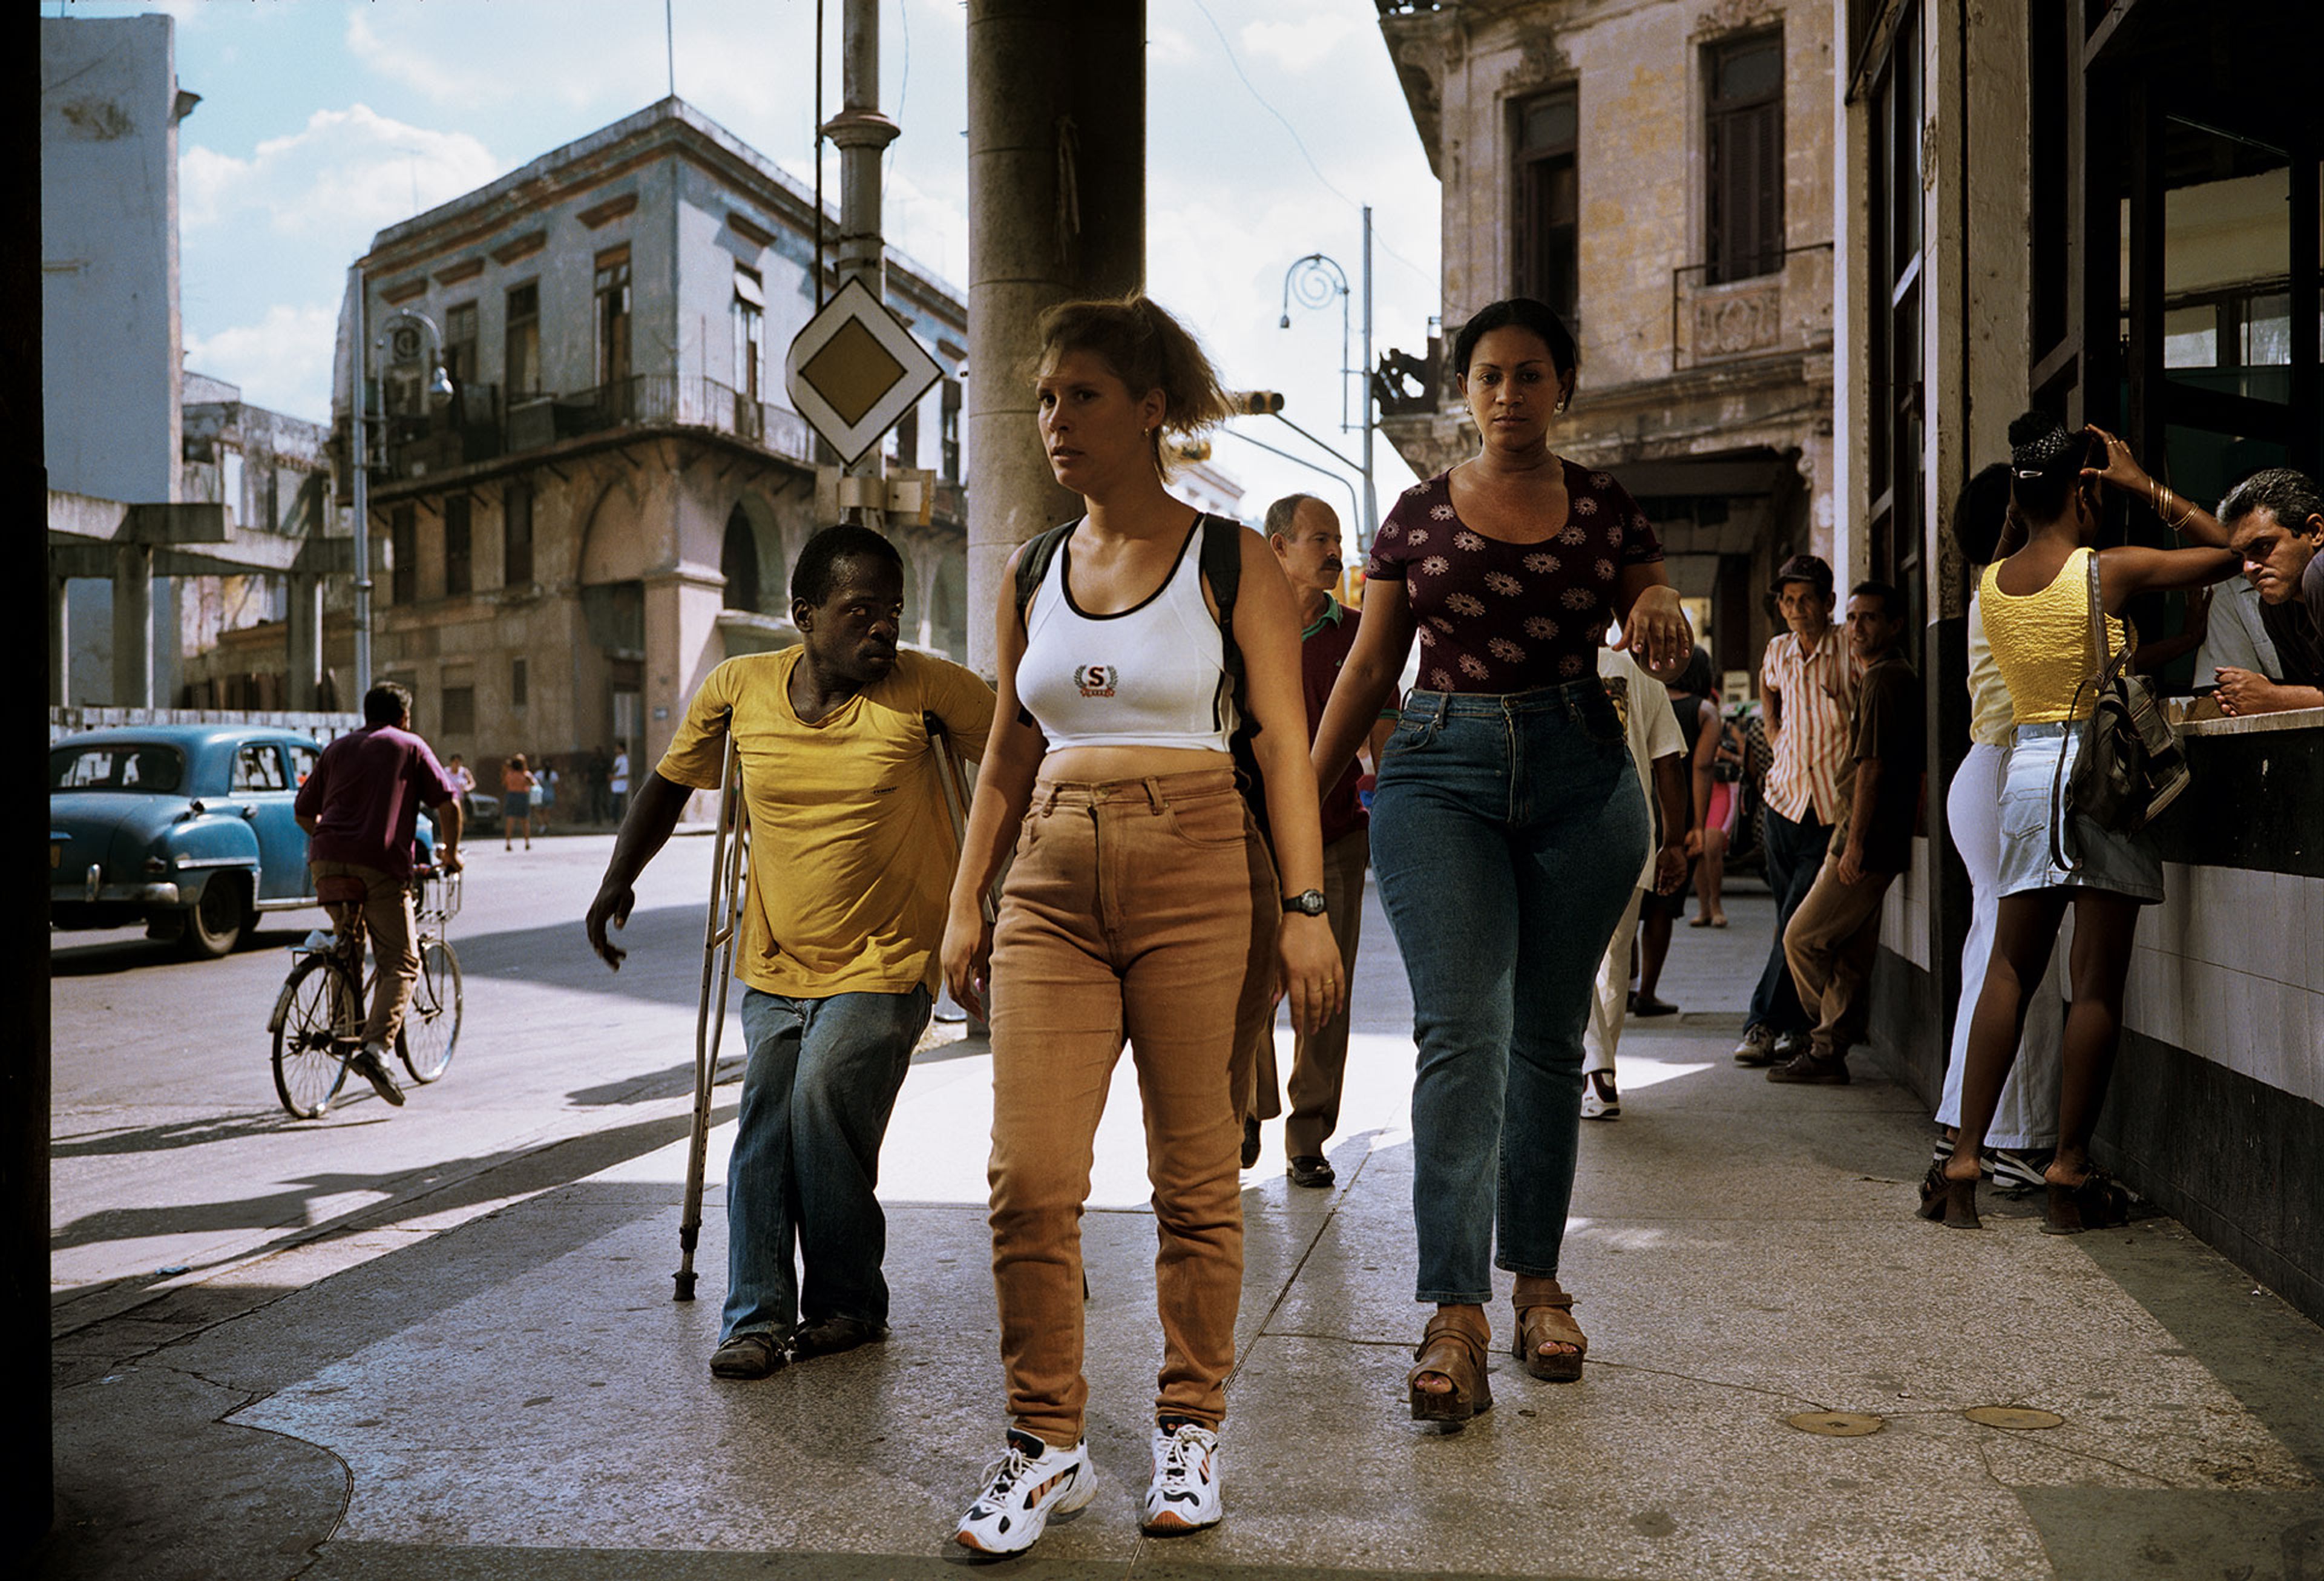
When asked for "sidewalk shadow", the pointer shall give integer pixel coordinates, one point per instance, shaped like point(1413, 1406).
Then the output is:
point(487, 1178)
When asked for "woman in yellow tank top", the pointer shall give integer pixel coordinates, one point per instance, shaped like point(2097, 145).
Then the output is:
point(2037, 609)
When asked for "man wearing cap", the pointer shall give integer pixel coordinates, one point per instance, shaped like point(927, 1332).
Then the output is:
point(1808, 683)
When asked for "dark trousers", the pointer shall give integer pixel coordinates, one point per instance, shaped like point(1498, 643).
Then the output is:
point(1795, 852)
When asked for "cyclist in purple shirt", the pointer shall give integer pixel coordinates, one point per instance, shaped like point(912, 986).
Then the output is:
point(359, 808)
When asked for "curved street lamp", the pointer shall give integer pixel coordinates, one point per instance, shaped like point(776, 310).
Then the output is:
point(1312, 281)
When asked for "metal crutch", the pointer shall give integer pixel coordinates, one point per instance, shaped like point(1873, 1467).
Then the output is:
point(729, 868)
point(959, 792)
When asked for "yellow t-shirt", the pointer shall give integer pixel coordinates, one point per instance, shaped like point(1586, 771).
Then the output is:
point(852, 852)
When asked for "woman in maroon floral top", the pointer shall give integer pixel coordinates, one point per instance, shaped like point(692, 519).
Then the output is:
point(1507, 828)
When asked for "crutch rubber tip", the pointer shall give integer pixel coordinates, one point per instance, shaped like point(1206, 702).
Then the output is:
point(684, 1291)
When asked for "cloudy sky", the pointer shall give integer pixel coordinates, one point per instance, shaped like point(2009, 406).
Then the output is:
point(1269, 123)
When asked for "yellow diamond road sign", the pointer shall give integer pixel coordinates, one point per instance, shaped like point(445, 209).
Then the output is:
point(855, 369)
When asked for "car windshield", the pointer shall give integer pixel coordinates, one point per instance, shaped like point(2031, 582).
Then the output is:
point(142, 766)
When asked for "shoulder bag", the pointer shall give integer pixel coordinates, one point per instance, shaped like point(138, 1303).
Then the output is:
point(2130, 766)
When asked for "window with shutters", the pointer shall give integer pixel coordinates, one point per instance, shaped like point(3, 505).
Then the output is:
point(403, 547)
point(516, 534)
point(1548, 194)
point(459, 564)
point(460, 343)
point(1744, 141)
point(612, 292)
point(521, 341)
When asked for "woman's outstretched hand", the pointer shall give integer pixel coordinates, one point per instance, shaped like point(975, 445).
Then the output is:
point(1308, 959)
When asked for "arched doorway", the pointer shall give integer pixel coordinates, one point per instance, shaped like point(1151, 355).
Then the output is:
point(738, 561)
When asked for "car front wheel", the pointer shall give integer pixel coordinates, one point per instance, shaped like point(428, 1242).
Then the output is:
point(215, 925)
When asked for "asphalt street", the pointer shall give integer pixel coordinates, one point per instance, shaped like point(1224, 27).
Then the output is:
point(171, 1152)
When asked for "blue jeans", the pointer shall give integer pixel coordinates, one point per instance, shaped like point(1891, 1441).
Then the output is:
point(821, 1082)
point(1795, 851)
point(1508, 832)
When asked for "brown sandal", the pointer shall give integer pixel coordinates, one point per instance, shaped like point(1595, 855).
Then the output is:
point(1545, 1317)
point(1451, 1348)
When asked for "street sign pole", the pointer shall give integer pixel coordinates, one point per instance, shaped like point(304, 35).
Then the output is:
point(861, 133)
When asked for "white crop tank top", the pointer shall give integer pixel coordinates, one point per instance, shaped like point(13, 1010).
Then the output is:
point(1154, 675)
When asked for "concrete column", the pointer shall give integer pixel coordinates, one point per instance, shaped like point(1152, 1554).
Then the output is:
point(1056, 197)
point(304, 624)
point(133, 626)
point(927, 565)
point(59, 646)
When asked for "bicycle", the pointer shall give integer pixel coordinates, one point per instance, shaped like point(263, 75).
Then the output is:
point(318, 1016)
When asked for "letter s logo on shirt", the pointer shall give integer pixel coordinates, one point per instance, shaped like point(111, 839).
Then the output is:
point(1095, 680)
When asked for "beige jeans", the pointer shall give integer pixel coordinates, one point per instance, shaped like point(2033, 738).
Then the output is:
point(387, 917)
point(1830, 943)
point(1146, 910)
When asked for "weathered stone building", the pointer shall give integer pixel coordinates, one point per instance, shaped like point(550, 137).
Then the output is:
point(238, 633)
point(1661, 173)
point(610, 501)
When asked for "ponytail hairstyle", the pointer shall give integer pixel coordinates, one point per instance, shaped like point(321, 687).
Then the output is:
point(1146, 349)
point(2045, 465)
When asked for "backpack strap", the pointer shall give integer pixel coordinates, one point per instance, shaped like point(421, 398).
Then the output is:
point(1032, 565)
point(1221, 563)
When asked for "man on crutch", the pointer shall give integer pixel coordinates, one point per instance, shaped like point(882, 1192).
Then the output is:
point(851, 866)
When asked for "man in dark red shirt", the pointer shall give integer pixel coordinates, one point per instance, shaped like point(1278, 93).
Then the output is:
point(1305, 534)
point(359, 808)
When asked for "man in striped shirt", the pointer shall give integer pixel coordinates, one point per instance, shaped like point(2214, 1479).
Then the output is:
point(1808, 680)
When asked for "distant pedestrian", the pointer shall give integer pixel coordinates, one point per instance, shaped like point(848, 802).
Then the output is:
point(1508, 829)
point(1695, 718)
point(1809, 682)
point(1657, 751)
point(516, 782)
point(544, 795)
point(618, 781)
point(1713, 753)
point(1833, 934)
point(594, 775)
point(1305, 534)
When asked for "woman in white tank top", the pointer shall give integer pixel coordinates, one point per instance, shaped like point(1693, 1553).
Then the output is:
point(1142, 905)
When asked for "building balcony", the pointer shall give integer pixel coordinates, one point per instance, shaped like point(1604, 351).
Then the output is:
point(1783, 309)
point(480, 427)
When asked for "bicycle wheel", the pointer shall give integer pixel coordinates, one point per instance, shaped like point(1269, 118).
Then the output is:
point(316, 1033)
point(431, 1025)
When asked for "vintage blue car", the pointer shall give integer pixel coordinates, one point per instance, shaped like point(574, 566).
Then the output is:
point(186, 828)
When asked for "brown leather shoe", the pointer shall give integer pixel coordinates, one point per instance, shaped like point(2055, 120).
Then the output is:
point(1812, 1070)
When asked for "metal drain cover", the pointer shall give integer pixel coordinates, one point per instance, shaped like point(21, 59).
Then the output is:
point(1836, 1424)
point(2016, 1418)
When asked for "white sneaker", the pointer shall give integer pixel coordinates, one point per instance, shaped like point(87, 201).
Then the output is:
point(1600, 1100)
point(1184, 1493)
point(1030, 1484)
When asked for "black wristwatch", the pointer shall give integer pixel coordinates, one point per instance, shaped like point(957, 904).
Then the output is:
point(1306, 902)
